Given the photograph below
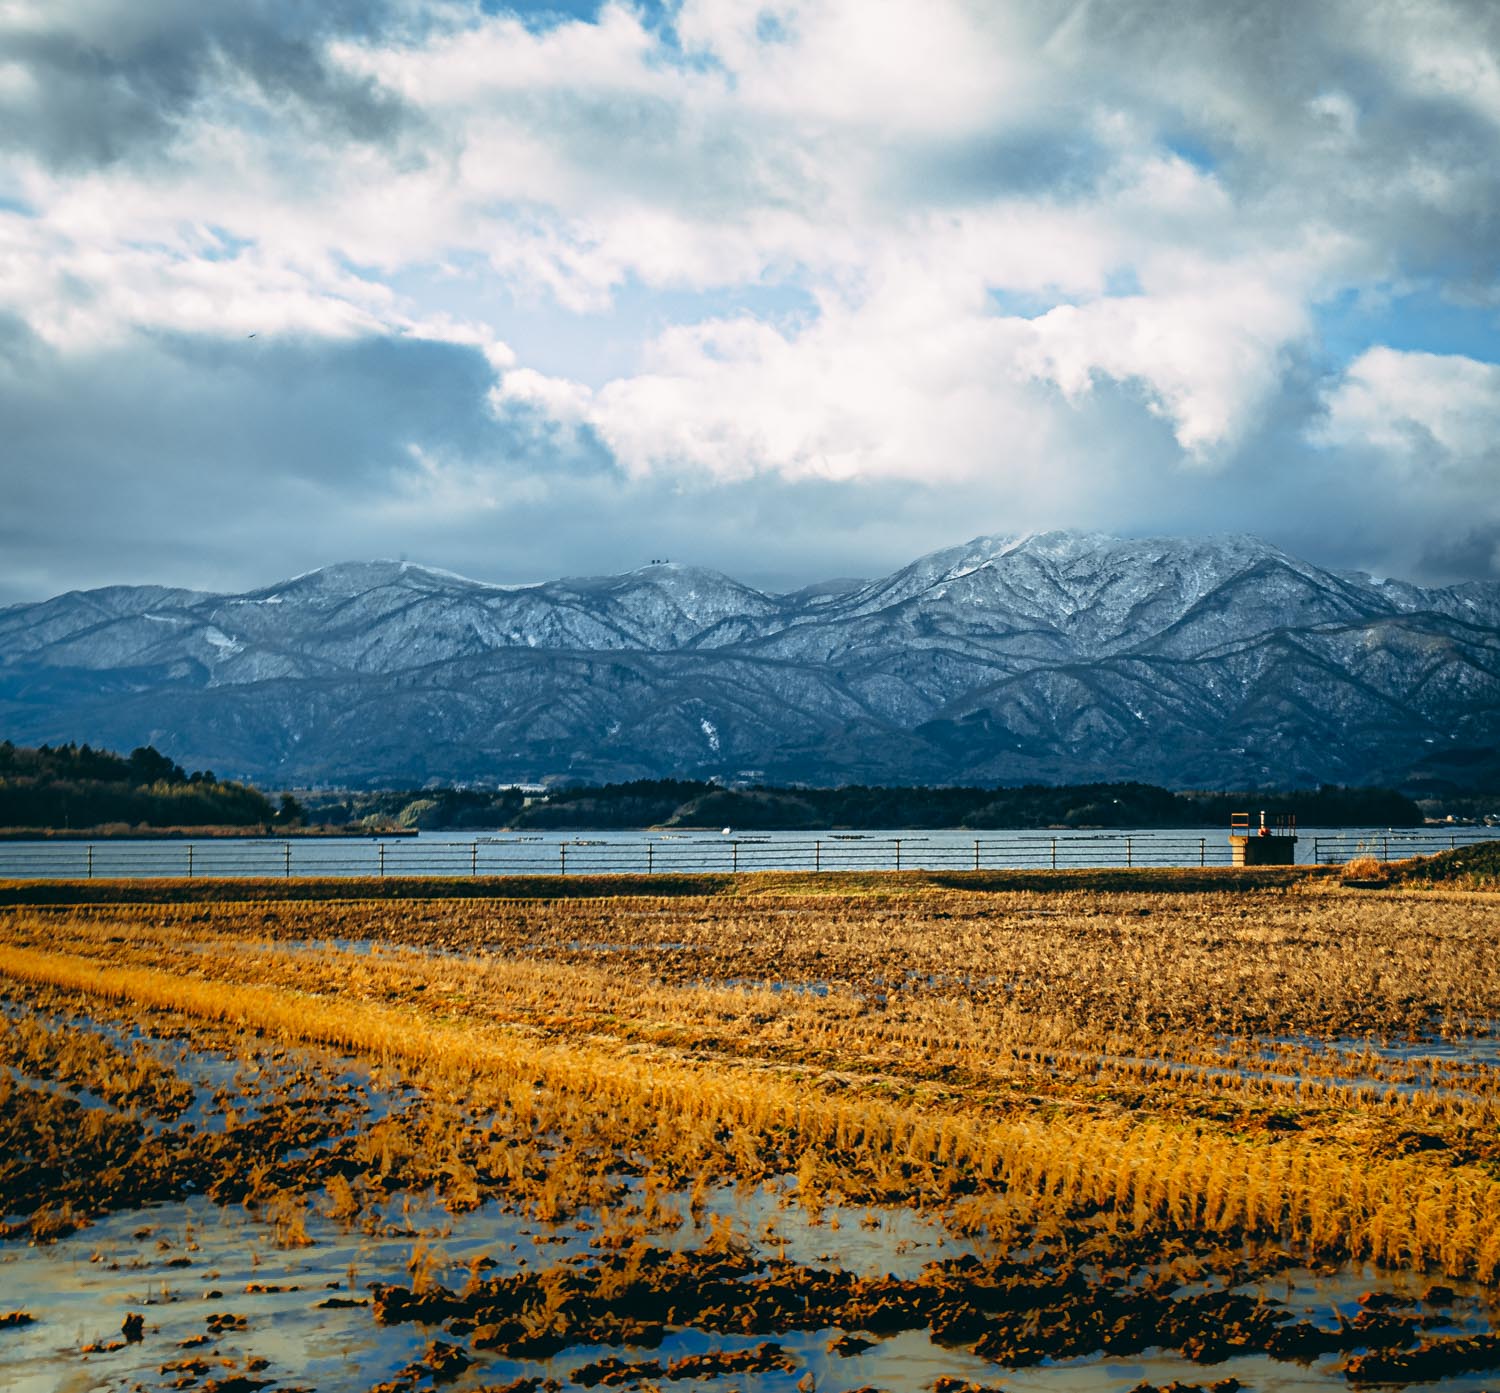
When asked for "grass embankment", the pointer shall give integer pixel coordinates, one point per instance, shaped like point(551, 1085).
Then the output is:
point(831, 884)
point(1465, 867)
point(1006, 1057)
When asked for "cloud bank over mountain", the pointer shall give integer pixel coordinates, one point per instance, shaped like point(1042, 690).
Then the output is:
point(798, 288)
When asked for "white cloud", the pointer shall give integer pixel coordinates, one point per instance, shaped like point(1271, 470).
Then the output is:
point(938, 69)
point(1005, 223)
point(1427, 413)
point(1208, 359)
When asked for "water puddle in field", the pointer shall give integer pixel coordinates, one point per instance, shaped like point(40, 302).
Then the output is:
point(1482, 1048)
point(211, 1286)
point(1296, 1083)
point(775, 985)
point(82, 1096)
point(1459, 1069)
point(581, 946)
point(219, 1300)
point(220, 1082)
point(358, 947)
point(1452, 1307)
point(80, 1291)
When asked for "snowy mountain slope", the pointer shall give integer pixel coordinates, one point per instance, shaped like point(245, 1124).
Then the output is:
point(1049, 656)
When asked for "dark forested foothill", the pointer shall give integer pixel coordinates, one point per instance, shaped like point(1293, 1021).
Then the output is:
point(74, 787)
point(691, 804)
point(682, 804)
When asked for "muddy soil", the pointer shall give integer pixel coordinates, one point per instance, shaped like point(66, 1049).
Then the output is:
point(219, 1219)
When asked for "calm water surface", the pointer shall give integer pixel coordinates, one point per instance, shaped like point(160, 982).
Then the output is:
point(478, 852)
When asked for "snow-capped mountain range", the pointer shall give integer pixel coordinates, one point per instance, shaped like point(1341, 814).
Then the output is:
point(1057, 656)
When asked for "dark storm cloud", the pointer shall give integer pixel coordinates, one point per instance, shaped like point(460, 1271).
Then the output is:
point(112, 82)
point(1473, 554)
point(988, 268)
point(225, 465)
point(206, 461)
point(1061, 162)
point(1336, 109)
point(1340, 507)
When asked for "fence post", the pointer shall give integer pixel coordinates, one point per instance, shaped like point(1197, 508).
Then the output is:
point(1054, 853)
point(817, 856)
point(1128, 860)
point(562, 859)
point(898, 853)
point(190, 860)
point(1203, 851)
point(474, 858)
point(382, 860)
point(976, 855)
point(650, 857)
point(734, 858)
point(286, 872)
point(91, 862)
point(1385, 848)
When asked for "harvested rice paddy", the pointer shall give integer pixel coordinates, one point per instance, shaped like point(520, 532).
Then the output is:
point(750, 1136)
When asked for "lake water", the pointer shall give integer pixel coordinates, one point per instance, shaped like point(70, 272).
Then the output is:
point(475, 853)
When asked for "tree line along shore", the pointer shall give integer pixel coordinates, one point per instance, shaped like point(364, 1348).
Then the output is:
point(68, 789)
point(686, 804)
point(74, 788)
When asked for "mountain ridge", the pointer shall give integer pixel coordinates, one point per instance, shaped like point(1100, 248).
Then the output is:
point(1047, 656)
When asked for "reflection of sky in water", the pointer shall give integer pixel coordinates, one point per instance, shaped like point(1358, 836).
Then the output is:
point(247, 1078)
point(80, 1289)
point(1462, 1049)
point(78, 1301)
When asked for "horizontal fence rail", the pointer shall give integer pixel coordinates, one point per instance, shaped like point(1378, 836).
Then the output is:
point(508, 856)
point(1397, 845)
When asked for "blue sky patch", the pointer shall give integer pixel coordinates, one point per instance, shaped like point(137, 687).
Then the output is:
point(1421, 321)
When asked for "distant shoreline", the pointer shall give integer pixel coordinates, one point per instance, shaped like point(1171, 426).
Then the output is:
point(182, 834)
point(533, 832)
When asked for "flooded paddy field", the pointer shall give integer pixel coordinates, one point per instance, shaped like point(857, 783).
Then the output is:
point(873, 1135)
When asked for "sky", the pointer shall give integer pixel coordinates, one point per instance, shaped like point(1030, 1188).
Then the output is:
point(792, 290)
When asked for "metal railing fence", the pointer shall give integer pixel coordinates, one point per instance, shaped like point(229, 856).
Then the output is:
point(503, 856)
point(1398, 844)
